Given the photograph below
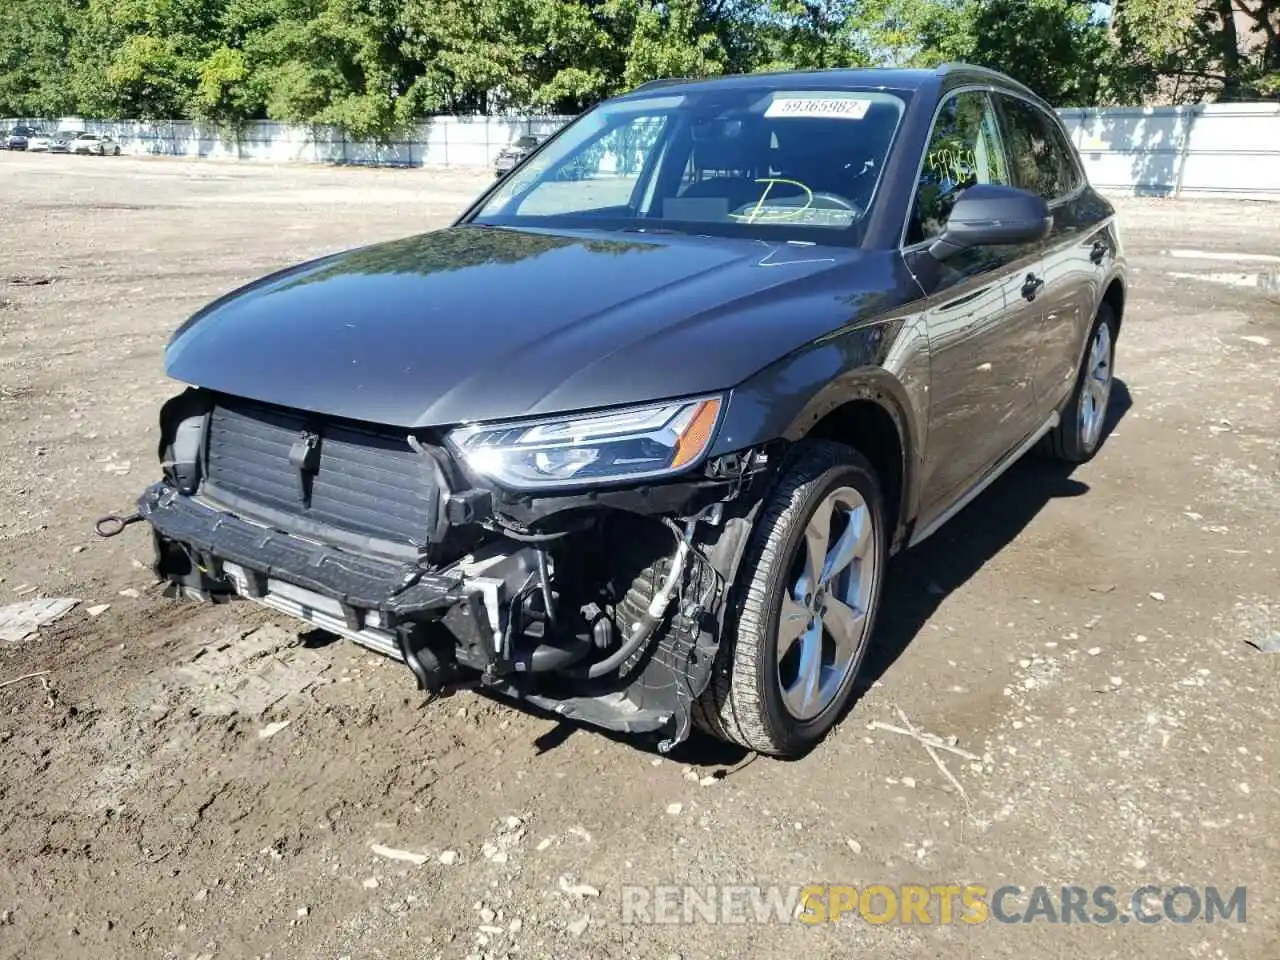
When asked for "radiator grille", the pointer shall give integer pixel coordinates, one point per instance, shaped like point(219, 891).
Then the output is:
point(365, 481)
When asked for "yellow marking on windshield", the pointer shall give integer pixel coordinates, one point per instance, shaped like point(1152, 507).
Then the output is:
point(759, 215)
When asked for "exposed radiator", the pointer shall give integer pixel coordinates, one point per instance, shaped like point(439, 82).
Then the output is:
point(293, 466)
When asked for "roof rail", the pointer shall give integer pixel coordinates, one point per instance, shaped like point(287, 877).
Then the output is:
point(661, 82)
point(973, 68)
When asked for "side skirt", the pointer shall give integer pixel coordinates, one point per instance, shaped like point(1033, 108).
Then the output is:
point(988, 478)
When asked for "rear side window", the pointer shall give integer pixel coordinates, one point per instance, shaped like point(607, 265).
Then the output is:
point(964, 149)
point(1039, 156)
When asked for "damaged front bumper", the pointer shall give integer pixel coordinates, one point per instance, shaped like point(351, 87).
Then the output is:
point(479, 621)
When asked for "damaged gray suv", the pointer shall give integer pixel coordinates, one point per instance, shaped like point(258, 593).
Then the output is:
point(632, 441)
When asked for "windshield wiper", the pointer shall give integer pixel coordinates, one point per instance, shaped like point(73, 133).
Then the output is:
point(654, 230)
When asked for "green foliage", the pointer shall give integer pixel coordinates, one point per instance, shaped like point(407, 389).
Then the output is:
point(1186, 50)
point(1061, 64)
point(222, 91)
point(672, 40)
point(373, 67)
point(35, 40)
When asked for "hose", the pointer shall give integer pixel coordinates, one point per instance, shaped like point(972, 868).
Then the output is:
point(652, 617)
point(571, 527)
point(547, 600)
point(533, 537)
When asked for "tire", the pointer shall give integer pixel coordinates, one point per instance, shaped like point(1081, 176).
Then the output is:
point(745, 701)
point(1073, 439)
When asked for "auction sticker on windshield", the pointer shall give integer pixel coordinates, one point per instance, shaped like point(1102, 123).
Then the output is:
point(841, 108)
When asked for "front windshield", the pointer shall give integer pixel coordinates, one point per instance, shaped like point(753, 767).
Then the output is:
point(758, 162)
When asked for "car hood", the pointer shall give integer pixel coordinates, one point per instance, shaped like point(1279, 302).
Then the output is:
point(480, 323)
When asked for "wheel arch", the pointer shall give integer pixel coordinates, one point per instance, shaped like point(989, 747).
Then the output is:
point(1113, 297)
point(870, 414)
point(871, 429)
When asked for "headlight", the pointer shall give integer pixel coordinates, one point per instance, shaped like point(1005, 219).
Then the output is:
point(617, 445)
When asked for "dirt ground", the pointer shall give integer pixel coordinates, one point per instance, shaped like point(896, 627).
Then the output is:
point(1083, 633)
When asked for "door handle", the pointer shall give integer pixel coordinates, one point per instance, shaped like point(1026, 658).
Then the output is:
point(1098, 252)
point(1031, 286)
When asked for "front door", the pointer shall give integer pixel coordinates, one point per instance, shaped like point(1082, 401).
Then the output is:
point(982, 312)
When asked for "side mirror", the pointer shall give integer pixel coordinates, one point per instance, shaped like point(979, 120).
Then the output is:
point(991, 214)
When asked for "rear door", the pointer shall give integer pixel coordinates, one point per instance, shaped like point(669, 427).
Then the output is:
point(982, 318)
point(1074, 258)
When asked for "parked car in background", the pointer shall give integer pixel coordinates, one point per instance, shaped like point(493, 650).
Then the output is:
point(17, 138)
point(633, 440)
point(512, 155)
point(62, 141)
point(39, 141)
point(95, 143)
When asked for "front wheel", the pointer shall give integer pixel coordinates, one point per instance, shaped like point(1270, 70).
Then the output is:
point(807, 594)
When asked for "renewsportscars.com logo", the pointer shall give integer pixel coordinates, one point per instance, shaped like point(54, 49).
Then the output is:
point(936, 904)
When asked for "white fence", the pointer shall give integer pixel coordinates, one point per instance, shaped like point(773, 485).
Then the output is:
point(442, 141)
point(1209, 150)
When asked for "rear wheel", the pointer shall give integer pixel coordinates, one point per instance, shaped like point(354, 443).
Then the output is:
point(808, 592)
point(1079, 434)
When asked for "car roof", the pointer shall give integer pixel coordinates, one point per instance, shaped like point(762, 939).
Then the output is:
point(907, 79)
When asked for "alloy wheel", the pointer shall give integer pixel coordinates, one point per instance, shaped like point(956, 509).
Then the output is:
point(1095, 392)
point(823, 619)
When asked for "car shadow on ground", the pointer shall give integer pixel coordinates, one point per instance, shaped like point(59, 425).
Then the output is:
point(918, 580)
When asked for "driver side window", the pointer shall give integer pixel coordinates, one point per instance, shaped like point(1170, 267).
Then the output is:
point(964, 149)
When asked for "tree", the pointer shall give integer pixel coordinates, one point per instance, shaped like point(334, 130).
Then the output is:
point(1053, 46)
point(340, 62)
point(35, 70)
point(1186, 50)
point(373, 67)
point(674, 39)
point(141, 58)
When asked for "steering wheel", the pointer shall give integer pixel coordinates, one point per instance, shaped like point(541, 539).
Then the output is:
point(800, 203)
point(840, 202)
